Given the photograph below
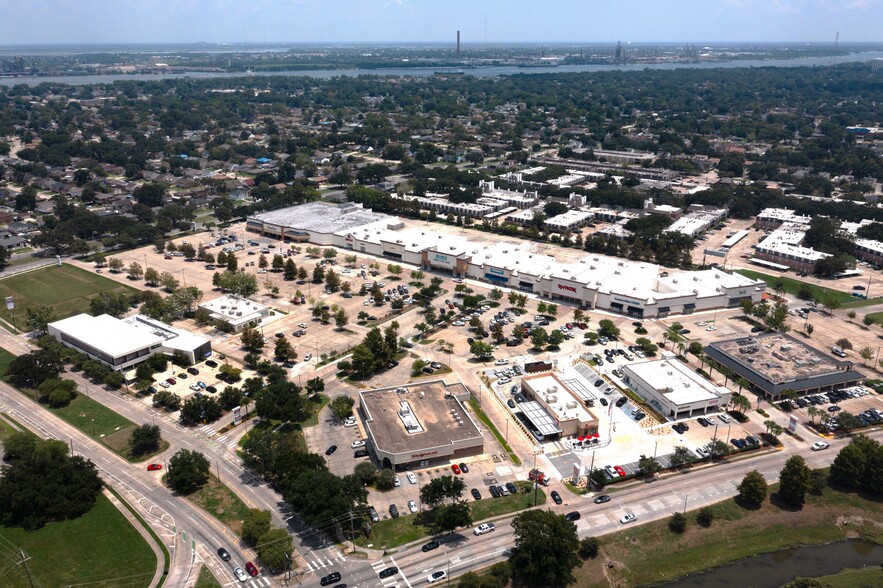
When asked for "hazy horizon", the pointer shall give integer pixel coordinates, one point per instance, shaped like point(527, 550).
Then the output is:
point(381, 22)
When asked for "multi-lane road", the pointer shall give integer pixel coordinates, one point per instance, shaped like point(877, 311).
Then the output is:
point(193, 536)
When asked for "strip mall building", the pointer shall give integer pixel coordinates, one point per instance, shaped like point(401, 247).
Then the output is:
point(633, 288)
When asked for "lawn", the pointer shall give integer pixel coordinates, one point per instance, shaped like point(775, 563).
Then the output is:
point(220, 502)
point(206, 579)
point(5, 359)
point(97, 549)
point(854, 578)
point(99, 422)
point(793, 286)
point(67, 289)
point(651, 553)
point(407, 528)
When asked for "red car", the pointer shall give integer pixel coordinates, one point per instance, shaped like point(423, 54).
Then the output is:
point(171, 381)
point(154, 467)
point(251, 569)
point(619, 470)
point(456, 469)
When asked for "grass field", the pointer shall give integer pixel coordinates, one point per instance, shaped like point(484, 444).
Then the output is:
point(651, 553)
point(67, 289)
point(100, 549)
point(793, 286)
point(870, 577)
point(407, 528)
point(220, 502)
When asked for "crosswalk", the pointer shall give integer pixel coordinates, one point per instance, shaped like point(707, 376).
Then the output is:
point(258, 583)
point(395, 581)
point(314, 563)
point(223, 441)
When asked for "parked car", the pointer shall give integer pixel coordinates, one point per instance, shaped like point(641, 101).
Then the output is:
point(412, 478)
point(464, 468)
point(476, 494)
point(493, 491)
point(357, 444)
point(455, 468)
point(359, 453)
point(412, 506)
point(556, 498)
point(393, 511)
point(331, 450)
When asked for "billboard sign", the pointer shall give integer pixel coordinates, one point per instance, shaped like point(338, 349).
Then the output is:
point(9, 303)
point(792, 424)
point(237, 415)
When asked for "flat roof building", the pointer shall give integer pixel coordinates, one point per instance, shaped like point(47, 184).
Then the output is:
point(775, 362)
point(673, 389)
point(636, 288)
point(559, 411)
point(235, 311)
point(121, 344)
point(419, 425)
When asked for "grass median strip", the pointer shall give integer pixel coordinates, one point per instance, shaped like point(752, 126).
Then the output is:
point(487, 421)
point(794, 287)
point(391, 533)
point(206, 579)
point(222, 503)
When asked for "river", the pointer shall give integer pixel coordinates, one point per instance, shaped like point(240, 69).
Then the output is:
point(772, 570)
point(477, 71)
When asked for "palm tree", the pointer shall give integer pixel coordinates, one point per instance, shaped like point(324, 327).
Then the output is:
point(740, 403)
point(813, 412)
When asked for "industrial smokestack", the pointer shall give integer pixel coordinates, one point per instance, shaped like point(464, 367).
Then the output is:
point(458, 44)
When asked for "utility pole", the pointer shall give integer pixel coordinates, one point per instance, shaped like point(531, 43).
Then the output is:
point(24, 562)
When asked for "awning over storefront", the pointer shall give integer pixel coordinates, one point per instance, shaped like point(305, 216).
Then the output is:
point(496, 278)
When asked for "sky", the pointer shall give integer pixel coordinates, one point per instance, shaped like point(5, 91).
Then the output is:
point(390, 21)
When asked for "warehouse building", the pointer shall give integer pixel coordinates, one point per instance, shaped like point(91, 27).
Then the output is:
point(775, 362)
point(419, 425)
point(673, 389)
point(122, 344)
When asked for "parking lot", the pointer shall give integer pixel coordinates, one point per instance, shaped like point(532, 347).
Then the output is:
point(860, 401)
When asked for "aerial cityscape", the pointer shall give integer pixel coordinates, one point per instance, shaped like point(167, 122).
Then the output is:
point(393, 293)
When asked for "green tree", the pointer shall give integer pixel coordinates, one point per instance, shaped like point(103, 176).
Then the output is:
point(145, 439)
point(42, 483)
point(275, 548)
point(366, 472)
point(647, 466)
point(200, 409)
point(607, 328)
point(589, 547)
point(449, 517)
point(252, 339)
point(39, 317)
point(442, 490)
point(752, 489)
point(480, 349)
point(283, 351)
point(386, 480)
point(849, 466)
point(255, 524)
point(545, 551)
point(342, 407)
point(677, 523)
point(57, 393)
point(705, 516)
point(188, 470)
point(539, 338)
point(794, 481)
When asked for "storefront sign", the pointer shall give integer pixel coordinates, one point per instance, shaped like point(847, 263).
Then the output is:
point(424, 454)
point(438, 258)
point(496, 271)
point(629, 302)
point(568, 288)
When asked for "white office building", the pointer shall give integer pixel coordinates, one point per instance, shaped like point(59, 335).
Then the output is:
point(673, 389)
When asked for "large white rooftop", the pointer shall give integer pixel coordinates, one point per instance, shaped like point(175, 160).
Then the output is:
point(235, 310)
point(107, 334)
point(676, 382)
